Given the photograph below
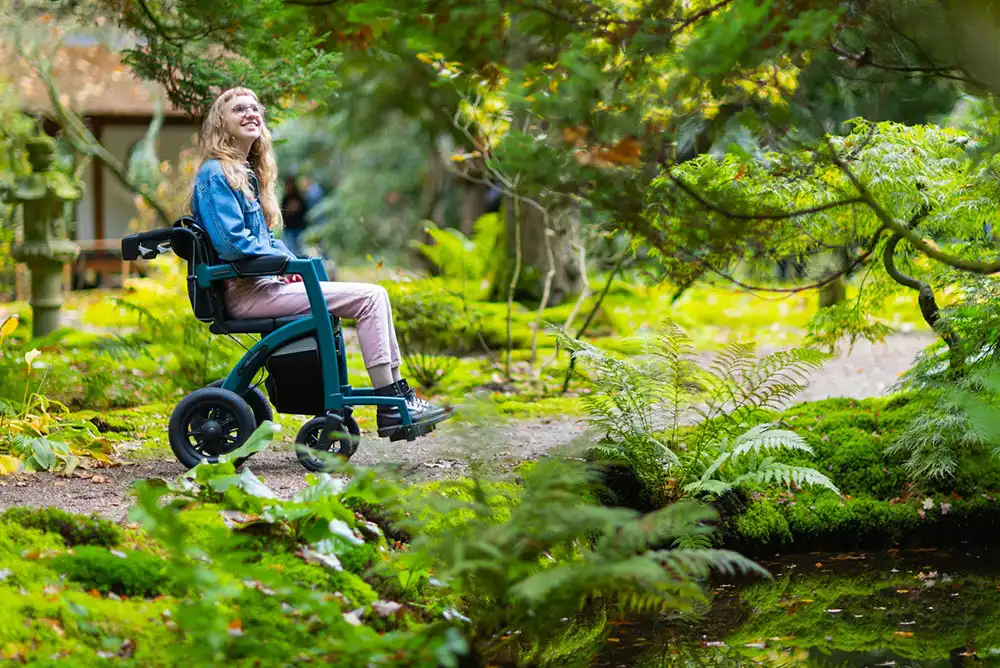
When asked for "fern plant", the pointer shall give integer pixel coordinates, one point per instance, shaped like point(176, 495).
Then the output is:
point(958, 429)
point(200, 356)
point(555, 553)
point(934, 441)
point(690, 427)
point(456, 256)
point(747, 459)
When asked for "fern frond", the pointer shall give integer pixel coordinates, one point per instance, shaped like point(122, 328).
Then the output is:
point(934, 440)
point(764, 437)
point(707, 486)
point(683, 518)
point(771, 472)
point(699, 563)
point(777, 378)
point(693, 541)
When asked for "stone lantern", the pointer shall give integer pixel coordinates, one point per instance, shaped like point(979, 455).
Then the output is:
point(46, 248)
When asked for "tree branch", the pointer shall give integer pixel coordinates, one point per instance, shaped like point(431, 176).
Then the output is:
point(864, 59)
point(843, 271)
point(902, 230)
point(925, 295)
point(783, 215)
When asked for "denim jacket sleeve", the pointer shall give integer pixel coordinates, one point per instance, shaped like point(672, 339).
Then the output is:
point(280, 245)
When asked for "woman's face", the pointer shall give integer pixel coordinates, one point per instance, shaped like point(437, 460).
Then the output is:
point(244, 119)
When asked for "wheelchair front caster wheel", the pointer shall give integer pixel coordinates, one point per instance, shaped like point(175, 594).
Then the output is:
point(308, 442)
point(208, 423)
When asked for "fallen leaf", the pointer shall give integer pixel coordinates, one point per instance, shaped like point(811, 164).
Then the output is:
point(9, 465)
point(54, 625)
point(386, 608)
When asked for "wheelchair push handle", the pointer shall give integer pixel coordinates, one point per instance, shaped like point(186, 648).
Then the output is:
point(149, 245)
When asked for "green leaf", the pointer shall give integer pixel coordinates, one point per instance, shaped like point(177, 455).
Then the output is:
point(43, 455)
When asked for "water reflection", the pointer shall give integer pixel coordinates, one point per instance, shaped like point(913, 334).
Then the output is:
point(920, 608)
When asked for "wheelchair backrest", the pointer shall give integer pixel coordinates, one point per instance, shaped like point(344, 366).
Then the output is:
point(208, 303)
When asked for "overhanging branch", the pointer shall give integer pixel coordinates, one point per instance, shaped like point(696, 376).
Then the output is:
point(904, 231)
point(778, 215)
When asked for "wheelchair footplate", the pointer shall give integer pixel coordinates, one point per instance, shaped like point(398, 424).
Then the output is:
point(412, 432)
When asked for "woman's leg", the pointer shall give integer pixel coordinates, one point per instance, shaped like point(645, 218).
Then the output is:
point(366, 303)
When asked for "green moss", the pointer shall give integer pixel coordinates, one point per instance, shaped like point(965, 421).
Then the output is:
point(878, 507)
point(821, 520)
point(72, 628)
point(20, 552)
point(501, 497)
point(74, 529)
point(125, 573)
point(294, 569)
point(815, 515)
point(763, 523)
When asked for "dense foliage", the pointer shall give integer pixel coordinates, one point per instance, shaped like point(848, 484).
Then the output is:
point(225, 571)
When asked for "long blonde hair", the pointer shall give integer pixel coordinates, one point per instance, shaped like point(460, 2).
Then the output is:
point(217, 143)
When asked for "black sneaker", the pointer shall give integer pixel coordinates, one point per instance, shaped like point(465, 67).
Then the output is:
point(390, 421)
point(411, 397)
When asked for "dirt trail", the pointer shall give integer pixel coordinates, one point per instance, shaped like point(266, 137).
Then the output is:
point(869, 370)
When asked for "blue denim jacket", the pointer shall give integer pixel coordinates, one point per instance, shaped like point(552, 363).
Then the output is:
point(234, 223)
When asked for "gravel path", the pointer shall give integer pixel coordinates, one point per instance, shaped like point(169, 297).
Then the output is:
point(868, 370)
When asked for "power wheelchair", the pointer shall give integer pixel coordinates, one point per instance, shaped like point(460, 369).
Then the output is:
point(303, 358)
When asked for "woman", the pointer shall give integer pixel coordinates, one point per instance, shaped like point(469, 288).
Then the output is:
point(234, 200)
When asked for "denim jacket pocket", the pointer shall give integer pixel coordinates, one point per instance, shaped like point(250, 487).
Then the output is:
point(254, 215)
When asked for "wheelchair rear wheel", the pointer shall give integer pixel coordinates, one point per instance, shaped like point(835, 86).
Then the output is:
point(258, 402)
point(208, 423)
point(307, 442)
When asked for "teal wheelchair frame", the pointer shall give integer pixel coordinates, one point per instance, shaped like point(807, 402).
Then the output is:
point(222, 416)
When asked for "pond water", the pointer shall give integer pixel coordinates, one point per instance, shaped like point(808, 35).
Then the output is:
point(902, 608)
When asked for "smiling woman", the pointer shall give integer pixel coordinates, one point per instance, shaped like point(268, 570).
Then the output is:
point(234, 201)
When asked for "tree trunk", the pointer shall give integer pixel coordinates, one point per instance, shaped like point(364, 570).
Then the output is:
point(474, 205)
point(564, 224)
point(832, 293)
point(430, 205)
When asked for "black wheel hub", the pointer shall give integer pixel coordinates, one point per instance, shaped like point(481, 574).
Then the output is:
point(211, 432)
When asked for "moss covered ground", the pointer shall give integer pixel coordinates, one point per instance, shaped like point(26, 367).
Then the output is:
point(879, 504)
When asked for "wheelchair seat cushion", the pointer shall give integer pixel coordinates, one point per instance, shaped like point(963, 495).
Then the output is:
point(253, 325)
point(261, 325)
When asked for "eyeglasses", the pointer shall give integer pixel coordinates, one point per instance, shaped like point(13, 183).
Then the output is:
point(244, 109)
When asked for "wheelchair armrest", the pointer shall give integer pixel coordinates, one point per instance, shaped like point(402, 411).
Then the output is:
point(266, 265)
point(148, 245)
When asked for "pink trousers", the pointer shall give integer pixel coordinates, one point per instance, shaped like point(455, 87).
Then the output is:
point(366, 303)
